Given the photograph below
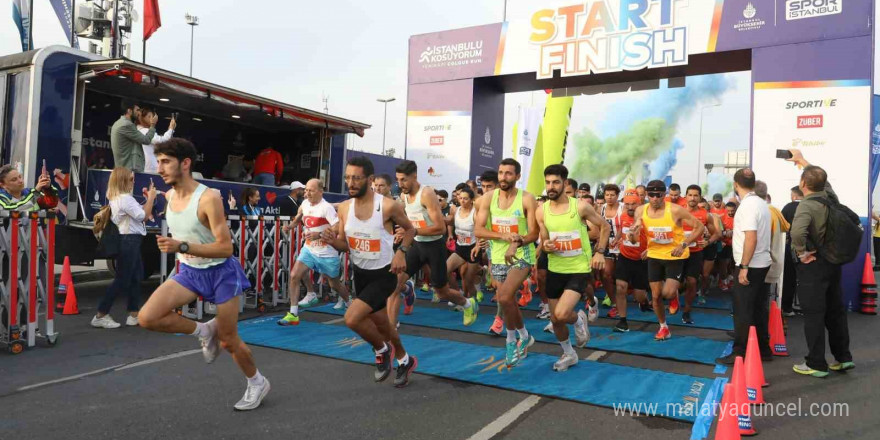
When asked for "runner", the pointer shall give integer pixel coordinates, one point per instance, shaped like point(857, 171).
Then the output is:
point(675, 196)
point(488, 183)
point(710, 253)
point(725, 281)
point(203, 245)
point(667, 249)
point(382, 185)
point(563, 237)
point(511, 214)
point(611, 214)
point(694, 265)
point(632, 266)
point(364, 229)
point(423, 210)
point(316, 215)
point(467, 254)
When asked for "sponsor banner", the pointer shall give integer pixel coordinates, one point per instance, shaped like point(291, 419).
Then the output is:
point(455, 54)
point(875, 145)
point(439, 142)
point(62, 11)
point(826, 120)
point(800, 9)
point(525, 146)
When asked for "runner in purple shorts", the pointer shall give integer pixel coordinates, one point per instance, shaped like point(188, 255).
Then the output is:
point(203, 245)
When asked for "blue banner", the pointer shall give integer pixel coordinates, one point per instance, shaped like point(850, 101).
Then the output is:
point(21, 14)
point(64, 10)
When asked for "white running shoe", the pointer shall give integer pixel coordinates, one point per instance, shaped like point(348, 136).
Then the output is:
point(593, 313)
point(310, 300)
point(348, 303)
point(582, 331)
point(549, 327)
point(545, 312)
point(340, 304)
point(211, 343)
point(253, 396)
point(105, 321)
point(131, 321)
point(565, 361)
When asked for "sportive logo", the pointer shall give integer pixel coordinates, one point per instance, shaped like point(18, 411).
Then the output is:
point(449, 55)
point(436, 140)
point(751, 22)
point(447, 127)
point(816, 103)
point(798, 9)
point(811, 121)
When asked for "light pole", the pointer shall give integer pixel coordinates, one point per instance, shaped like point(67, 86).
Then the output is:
point(384, 120)
point(192, 21)
point(700, 149)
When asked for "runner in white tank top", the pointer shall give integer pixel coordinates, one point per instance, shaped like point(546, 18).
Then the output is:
point(203, 243)
point(467, 253)
point(611, 212)
point(364, 230)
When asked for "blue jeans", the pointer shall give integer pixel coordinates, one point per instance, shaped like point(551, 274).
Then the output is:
point(129, 274)
point(265, 179)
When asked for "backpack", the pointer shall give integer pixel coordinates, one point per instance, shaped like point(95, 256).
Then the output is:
point(843, 233)
point(107, 234)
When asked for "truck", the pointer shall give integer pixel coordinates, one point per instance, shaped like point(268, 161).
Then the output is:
point(57, 105)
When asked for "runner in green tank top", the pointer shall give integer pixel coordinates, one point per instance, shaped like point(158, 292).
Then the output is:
point(512, 231)
point(569, 260)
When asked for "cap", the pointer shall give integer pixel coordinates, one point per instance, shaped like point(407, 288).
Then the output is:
point(295, 185)
point(656, 186)
point(631, 196)
point(717, 197)
point(584, 187)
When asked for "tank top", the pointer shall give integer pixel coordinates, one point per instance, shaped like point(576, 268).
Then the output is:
point(727, 222)
point(317, 218)
point(510, 220)
point(464, 228)
point(573, 253)
point(369, 243)
point(663, 235)
point(418, 215)
point(629, 249)
point(614, 222)
point(185, 226)
point(703, 216)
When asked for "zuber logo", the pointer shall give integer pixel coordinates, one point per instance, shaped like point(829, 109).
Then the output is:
point(436, 140)
point(811, 121)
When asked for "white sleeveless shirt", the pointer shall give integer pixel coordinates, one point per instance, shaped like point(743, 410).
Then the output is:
point(370, 244)
point(185, 226)
point(418, 215)
point(464, 228)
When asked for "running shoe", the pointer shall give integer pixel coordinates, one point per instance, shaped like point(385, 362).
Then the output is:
point(673, 305)
point(511, 359)
point(425, 287)
point(131, 321)
point(789, 314)
point(404, 371)
point(613, 313)
point(409, 297)
point(686, 318)
point(592, 311)
point(383, 364)
point(340, 304)
point(289, 319)
point(841, 366)
point(470, 314)
point(434, 297)
point(549, 327)
point(662, 334)
point(479, 295)
point(253, 396)
point(621, 326)
point(545, 311)
point(105, 321)
point(211, 343)
point(607, 301)
point(565, 361)
point(311, 300)
point(805, 370)
point(525, 296)
point(646, 307)
point(497, 326)
point(522, 347)
point(582, 330)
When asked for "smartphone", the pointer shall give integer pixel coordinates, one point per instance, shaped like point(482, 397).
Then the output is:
point(45, 170)
point(783, 154)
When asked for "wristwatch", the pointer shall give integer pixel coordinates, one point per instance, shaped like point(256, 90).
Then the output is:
point(744, 266)
point(403, 249)
point(600, 251)
point(184, 247)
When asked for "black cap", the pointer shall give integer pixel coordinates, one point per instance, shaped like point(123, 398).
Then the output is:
point(656, 186)
point(717, 197)
point(584, 187)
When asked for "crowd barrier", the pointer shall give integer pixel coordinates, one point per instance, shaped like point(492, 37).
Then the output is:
point(27, 300)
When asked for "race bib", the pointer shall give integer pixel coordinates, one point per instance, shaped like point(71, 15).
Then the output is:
point(366, 245)
point(661, 234)
point(465, 238)
point(626, 242)
point(568, 244)
point(418, 220)
point(316, 244)
point(505, 225)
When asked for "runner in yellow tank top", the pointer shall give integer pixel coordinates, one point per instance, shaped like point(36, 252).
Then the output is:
point(667, 248)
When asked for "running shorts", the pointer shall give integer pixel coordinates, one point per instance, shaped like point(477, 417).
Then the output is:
point(726, 253)
point(499, 271)
point(432, 253)
point(693, 267)
point(216, 284)
point(542, 261)
point(373, 287)
point(557, 283)
point(465, 253)
point(662, 270)
point(710, 252)
point(633, 272)
point(324, 265)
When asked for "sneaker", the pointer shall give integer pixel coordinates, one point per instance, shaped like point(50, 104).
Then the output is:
point(289, 319)
point(522, 348)
point(497, 326)
point(525, 297)
point(510, 358)
point(253, 396)
point(565, 361)
point(311, 300)
point(409, 297)
point(131, 321)
point(581, 331)
point(425, 287)
point(646, 307)
point(105, 321)
point(545, 312)
point(789, 314)
point(686, 318)
point(211, 343)
point(383, 364)
point(434, 298)
point(662, 334)
point(479, 295)
point(730, 359)
point(841, 366)
point(621, 327)
point(607, 301)
point(613, 313)
point(701, 300)
point(403, 371)
point(549, 327)
point(592, 312)
point(340, 304)
point(470, 314)
point(807, 371)
point(673, 305)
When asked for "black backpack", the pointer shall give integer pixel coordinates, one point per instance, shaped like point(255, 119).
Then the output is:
point(843, 233)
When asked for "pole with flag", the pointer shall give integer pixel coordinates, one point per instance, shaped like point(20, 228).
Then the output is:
point(152, 22)
point(21, 14)
point(64, 12)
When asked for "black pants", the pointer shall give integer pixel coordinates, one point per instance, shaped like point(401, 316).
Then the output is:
point(751, 307)
point(129, 274)
point(789, 280)
point(822, 305)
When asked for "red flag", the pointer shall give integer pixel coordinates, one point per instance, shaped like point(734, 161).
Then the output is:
point(152, 20)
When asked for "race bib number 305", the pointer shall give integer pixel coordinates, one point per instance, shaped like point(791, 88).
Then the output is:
point(661, 234)
point(505, 225)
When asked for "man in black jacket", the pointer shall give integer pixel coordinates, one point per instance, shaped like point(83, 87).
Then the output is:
point(289, 205)
point(789, 274)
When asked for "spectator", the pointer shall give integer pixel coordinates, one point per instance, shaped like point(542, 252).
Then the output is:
point(143, 126)
point(751, 251)
point(876, 220)
point(778, 226)
point(818, 279)
point(14, 196)
point(583, 190)
point(789, 272)
point(250, 196)
point(471, 184)
point(128, 215)
point(234, 169)
point(268, 167)
point(382, 184)
point(289, 206)
point(125, 139)
point(443, 198)
point(642, 192)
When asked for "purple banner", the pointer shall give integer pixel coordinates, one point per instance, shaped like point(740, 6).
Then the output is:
point(487, 132)
point(455, 54)
point(62, 11)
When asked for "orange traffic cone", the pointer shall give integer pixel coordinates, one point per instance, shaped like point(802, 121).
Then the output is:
point(869, 289)
point(728, 427)
point(62, 285)
point(744, 412)
point(777, 333)
point(754, 370)
point(70, 305)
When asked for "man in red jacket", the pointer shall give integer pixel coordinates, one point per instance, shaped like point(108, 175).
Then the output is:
point(267, 167)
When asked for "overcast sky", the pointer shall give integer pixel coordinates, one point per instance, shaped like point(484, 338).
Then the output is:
point(293, 51)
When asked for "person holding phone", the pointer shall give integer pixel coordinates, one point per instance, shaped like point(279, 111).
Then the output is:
point(13, 194)
point(146, 116)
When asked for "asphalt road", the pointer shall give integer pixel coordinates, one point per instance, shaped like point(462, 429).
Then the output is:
point(314, 397)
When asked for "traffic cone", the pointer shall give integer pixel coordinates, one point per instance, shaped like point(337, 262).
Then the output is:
point(777, 333)
point(744, 417)
point(62, 285)
point(869, 289)
point(727, 427)
point(754, 370)
point(70, 305)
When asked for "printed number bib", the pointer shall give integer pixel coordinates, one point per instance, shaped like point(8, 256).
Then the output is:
point(568, 244)
point(465, 238)
point(315, 244)
point(626, 242)
point(418, 220)
point(505, 225)
point(661, 234)
point(366, 245)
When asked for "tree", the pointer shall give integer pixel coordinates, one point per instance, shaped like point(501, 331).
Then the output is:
point(390, 152)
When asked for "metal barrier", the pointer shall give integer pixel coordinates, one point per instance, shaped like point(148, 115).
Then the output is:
point(27, 300)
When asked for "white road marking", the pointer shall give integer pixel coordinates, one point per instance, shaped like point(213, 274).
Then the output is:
point(596, 355)
point(506, 419)
point(69, 378)
point(334, 321)
point(159, 359)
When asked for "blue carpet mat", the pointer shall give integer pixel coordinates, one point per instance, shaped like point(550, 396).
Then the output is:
point(674, 396)
point(680, 348)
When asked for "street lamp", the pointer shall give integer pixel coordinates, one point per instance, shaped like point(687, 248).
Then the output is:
point(700, 150)
point(384, 120)
point(192, 21)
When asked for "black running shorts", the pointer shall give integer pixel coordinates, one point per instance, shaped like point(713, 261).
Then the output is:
point(374, 286)
point(726, 253)
point(634, 272)
point(542, 261)
point(465, 253)
point(693, 268)
point(560, 282)
point(432, 253)
point(662, 270)
point(710, 252)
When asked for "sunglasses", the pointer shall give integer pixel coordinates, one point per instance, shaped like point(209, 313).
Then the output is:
point(655, 195)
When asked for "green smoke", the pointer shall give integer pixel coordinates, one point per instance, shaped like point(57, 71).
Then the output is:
point(598, 161)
